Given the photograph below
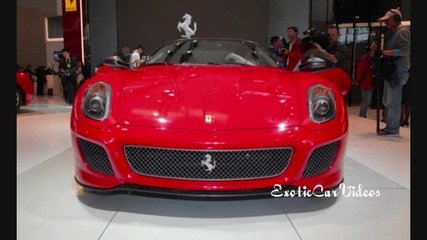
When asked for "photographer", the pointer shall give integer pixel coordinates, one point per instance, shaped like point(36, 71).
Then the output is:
point(398, 47)
point(336, 51)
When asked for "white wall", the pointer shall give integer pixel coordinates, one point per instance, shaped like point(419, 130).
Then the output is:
point(32, 47)
point(50, 48)
point(54, 6)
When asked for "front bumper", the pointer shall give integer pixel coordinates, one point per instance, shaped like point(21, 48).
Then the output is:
point(120, 175)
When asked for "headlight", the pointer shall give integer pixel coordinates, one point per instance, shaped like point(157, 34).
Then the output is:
point(321, 103)
point(96, 102)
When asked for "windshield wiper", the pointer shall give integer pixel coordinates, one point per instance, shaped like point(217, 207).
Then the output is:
point(157, 63)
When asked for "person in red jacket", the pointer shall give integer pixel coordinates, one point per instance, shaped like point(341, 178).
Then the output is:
point(292, 54)
point(364, 79)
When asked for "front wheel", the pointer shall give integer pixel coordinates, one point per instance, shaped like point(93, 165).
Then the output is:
point(19, 99)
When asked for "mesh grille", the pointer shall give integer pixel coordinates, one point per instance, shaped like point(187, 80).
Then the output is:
point(321, 159)
point(208, 165)
point(95, 157)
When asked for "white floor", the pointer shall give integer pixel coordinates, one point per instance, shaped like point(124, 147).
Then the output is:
point(51, 207)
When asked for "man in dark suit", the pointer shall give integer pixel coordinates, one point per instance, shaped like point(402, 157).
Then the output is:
point(68, 68)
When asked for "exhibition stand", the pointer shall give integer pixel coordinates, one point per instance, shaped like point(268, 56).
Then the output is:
point(53, 84)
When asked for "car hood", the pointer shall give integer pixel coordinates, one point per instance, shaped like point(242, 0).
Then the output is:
point(209, 98)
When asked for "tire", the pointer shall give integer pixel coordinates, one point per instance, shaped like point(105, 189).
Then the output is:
point(19, 99)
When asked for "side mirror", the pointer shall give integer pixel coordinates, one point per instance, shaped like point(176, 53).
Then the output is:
point(115, 62)
point(315, 60)
point(312, 64)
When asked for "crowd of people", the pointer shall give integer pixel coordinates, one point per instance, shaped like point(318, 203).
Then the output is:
point(290, 53)
point(395, 94)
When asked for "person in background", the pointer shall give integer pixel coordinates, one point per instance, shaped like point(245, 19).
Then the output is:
point(135, 58)
point(68, 69)
point(29, 69)
point(143, 56)
point(41, 72)
point(293, 54)
point(398, 46)
point(335, 49)
point(276, 49)
point(364, 79)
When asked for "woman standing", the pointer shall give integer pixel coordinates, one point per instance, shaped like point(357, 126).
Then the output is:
point(364, 79)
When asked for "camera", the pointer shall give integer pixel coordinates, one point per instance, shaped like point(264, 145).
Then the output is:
point(314, 36)
point(376, 38)
point(310, 31)
point(376, 33)
point(283, 45)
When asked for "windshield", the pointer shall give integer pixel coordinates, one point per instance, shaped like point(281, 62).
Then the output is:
point(212, 51)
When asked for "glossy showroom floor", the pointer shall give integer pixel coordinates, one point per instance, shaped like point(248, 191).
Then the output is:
point(51, 207)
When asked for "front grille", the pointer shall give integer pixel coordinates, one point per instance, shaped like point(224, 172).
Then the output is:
point(95, 157)
point(208, 165)
point(321, 159)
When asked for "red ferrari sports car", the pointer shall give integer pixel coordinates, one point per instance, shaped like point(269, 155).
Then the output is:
point(210, 118)
point(24, 89)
